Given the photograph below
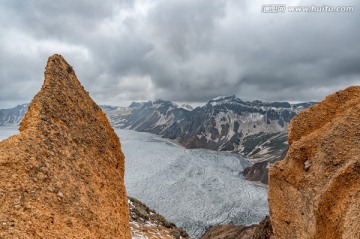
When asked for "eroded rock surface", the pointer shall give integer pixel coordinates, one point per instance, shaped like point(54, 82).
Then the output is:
point(62, 175)
point(315, 191)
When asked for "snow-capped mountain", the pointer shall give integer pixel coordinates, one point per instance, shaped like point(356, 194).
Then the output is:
point(257, 130)
point(184, 106)
point(13, 116)
point(152, 116)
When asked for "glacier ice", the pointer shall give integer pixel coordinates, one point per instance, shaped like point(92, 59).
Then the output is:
point(194, 188)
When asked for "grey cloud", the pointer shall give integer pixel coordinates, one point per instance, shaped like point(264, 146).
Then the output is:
point(344, 65)
point(58, 19)
point(186, 27)
point(182, 50)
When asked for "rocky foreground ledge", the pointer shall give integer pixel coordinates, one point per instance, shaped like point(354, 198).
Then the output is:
point(62, 175)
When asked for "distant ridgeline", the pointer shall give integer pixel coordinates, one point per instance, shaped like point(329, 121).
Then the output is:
point(257, 130)
point(13, 116)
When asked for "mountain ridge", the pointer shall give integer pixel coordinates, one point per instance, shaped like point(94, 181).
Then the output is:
point(253, 123)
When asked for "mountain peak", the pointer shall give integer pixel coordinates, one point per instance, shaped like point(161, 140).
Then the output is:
point(224, 100)
point(64, 171)
point(221, 98)
point(61, 90)
point(57, 63)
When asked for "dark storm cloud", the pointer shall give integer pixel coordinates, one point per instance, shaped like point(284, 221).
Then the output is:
point(181, 50)
point(54, 19)
point(346, 65)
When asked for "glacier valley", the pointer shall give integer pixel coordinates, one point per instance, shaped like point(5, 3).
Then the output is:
point(194, 188)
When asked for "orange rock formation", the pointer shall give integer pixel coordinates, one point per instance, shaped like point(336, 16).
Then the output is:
point(62, 176)
point(315, 191)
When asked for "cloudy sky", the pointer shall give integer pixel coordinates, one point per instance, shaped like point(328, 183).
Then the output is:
point(180, 50)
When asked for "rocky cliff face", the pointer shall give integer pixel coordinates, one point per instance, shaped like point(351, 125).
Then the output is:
point(259, 171)
point(263, 230)
point(146, 223)
point(257, 130)
point(62, 176)
point(314, 192)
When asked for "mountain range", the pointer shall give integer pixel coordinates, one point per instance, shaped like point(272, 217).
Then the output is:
point(13, 116)
point(255, 129)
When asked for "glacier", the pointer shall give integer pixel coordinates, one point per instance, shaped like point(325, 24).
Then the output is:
point(194, 188)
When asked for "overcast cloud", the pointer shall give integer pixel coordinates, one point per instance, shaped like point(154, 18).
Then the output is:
point(180, 50)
